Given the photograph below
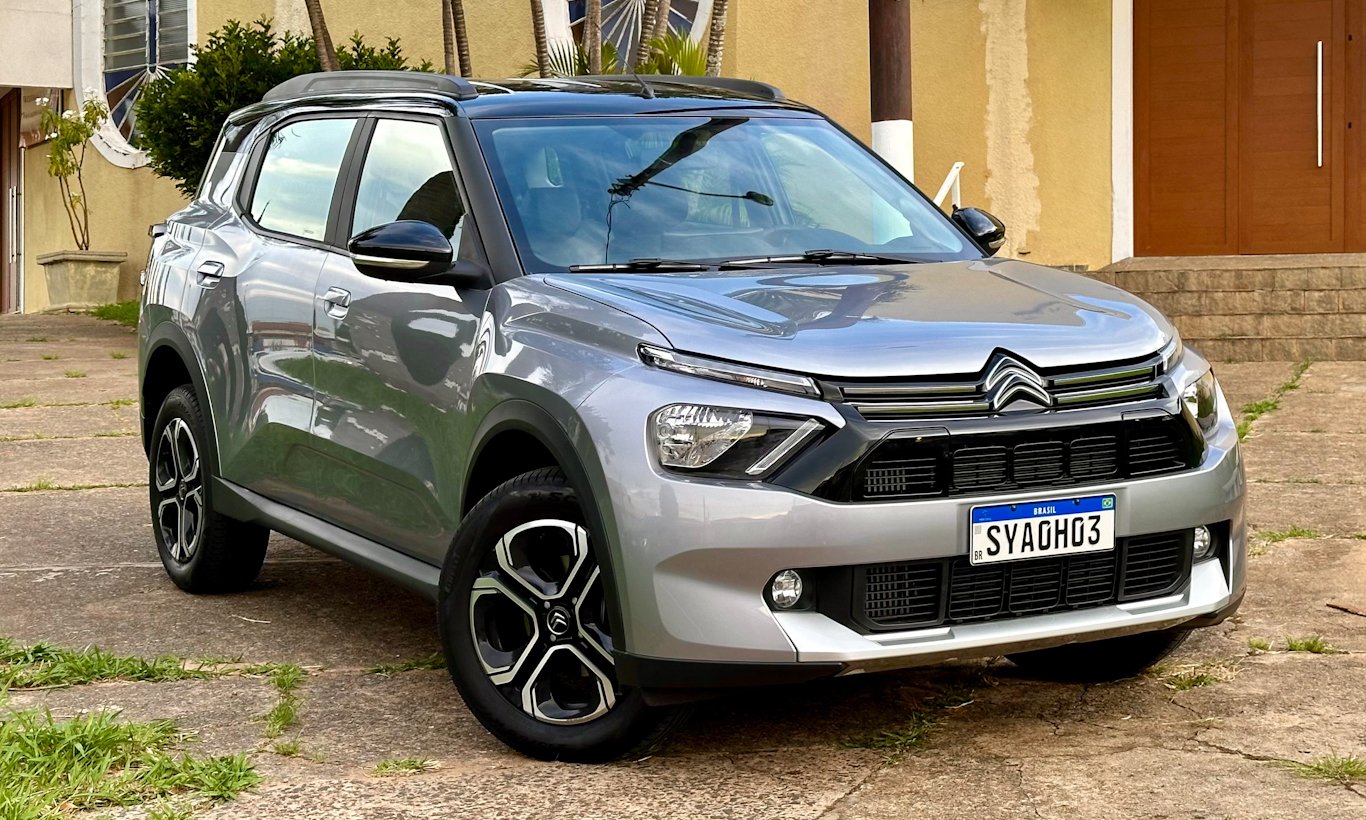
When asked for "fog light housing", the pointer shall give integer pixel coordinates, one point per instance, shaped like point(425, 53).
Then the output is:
point(1204, 543)
point(785, 590)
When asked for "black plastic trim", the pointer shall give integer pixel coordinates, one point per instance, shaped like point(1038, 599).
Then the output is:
point(242, 504)
point(665, 680)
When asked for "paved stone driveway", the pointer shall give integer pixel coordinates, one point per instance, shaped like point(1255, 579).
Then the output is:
point(77, 567)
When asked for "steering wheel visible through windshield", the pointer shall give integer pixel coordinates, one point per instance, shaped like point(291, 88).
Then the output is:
point(592, 191)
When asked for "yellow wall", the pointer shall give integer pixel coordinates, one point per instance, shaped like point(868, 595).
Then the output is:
point(817, 53)
point(1020, 92)
point(122, 204)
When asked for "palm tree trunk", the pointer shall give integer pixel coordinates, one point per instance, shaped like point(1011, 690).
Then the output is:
point(538, 28)
point(592, 35)
point(661, 19)
point(448, 36)
point(647, 29)
point(716, 37)
point(327, 55)
point(462, 38)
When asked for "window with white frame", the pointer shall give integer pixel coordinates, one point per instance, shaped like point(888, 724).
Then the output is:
point(141, 39)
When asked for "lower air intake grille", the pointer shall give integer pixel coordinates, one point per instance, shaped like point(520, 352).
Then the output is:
point(949, 591)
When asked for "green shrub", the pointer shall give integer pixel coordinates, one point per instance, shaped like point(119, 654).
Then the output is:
point(180, 113)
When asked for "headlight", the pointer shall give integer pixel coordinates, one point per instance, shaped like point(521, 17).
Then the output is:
point(1200, 397)
point(726, 442)
point(728, 371)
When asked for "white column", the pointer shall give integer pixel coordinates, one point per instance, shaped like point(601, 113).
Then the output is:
point(894, 141)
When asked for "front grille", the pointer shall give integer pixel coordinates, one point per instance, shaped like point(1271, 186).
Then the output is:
point(950, 591)
point(1004, 379)
point(902, 468)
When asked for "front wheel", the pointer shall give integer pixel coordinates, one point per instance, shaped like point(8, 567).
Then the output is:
point(524, 618)
point(1102, 661)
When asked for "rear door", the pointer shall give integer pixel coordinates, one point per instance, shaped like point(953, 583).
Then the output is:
point(250, 303)
point(394, 360)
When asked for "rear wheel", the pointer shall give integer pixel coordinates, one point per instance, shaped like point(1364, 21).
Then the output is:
point(525, 625)
point(1102, 661)
point(202, 550)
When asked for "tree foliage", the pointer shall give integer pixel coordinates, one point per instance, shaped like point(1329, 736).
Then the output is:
point(180, 113)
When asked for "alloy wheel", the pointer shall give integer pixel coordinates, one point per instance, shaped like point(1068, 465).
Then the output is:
point(179, 486)
point(538, 619)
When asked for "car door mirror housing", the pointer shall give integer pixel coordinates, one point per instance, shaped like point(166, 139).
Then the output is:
point(986, 230)
point(411, 250)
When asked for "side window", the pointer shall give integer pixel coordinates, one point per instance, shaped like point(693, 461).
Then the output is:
point(294, 186)
point(408, 175)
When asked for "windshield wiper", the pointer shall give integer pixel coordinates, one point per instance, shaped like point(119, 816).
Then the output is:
point(644, 264)
point(823, 256)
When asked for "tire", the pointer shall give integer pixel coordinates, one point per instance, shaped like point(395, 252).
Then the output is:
point(203, 551)
point(525, 628)
point(1102, 661)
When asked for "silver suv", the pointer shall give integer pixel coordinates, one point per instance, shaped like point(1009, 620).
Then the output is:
point(660, 387)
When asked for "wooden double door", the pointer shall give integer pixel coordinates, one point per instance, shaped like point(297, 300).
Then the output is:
point(1247, 126)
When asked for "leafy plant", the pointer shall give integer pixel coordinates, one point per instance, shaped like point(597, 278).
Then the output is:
point(68, 133)
point(402, 766)
point(180, 113)
point(672, 53)
point(125, 313)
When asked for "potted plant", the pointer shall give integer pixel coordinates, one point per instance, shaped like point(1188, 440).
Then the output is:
point(79, 278)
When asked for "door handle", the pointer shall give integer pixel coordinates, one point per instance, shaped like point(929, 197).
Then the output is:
point(208, 274)
point(337, 301)
point(1318, 103)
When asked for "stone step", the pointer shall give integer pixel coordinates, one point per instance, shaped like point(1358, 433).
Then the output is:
point(1229, 349)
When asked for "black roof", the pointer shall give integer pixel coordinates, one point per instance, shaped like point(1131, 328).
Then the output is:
point(556, 96)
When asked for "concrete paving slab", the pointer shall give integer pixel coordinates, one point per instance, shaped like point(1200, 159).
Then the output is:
point(68, 422)
point(1331, 509)
point(95, 530)
point(90, 390)
point(1333, 377)
point(1292, 583)
point(18, 354)
point(1324, 458)
point(56, 328)
point(72, 462)
point(1251, 381)
point(309, 612)
point(57, 368)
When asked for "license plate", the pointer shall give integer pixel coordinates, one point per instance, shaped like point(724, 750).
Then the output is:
point(1037, 529)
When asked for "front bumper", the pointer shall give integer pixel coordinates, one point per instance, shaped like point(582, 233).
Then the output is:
point(691, 557)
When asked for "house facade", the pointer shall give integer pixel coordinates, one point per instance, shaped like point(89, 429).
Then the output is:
point(1099, 131)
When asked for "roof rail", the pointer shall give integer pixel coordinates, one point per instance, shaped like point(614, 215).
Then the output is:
point(333, 82)
point(754, 88)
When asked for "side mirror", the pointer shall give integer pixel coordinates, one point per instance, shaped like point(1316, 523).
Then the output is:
point(413, 251)
point(986, 230)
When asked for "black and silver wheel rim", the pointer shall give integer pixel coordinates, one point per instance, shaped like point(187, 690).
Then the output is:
point(179, 491)
point(538, 619)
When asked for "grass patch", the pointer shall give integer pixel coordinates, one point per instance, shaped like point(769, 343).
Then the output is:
point(17, 403)
point(125, 313)
point(36, 339)
point(388, 670)
point(50, 357)
point(45, 665)
point(403, 766)
point(287, 748)
point(1336, 768)
point(1313, 644)
point(50, 768)
point(895, 743)
point(1256, 409)
point(1259, 644)
point(46, 484)
point(1277, 536)
point(117, 403)
point(1193, 676)
point(118, 354)
point(1360, 536)
point(286, 678)
point(74, 374)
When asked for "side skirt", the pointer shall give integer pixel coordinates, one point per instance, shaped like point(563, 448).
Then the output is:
point(238, 502)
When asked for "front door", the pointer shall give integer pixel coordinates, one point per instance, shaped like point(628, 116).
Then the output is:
point(394, 360)
point(1242, 126)
point(10, 213)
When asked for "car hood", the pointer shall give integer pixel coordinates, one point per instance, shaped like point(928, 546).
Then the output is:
point(887, 321)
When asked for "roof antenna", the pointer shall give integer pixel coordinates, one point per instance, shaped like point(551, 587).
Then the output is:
point(645, 90)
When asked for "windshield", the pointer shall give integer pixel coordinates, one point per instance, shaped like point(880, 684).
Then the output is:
point(604, 190)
